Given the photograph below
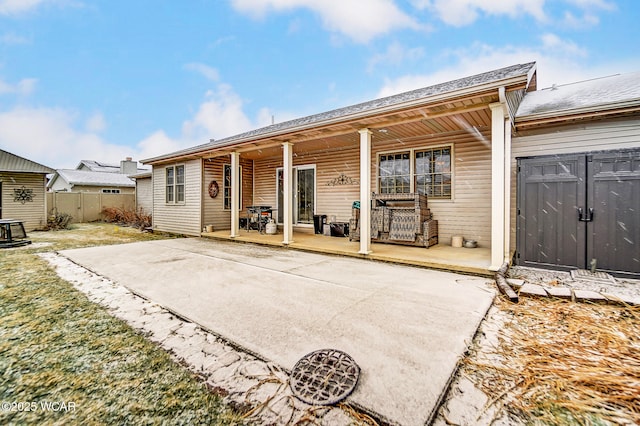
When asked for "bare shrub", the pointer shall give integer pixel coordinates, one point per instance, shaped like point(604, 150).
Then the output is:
point(138, 219)
point(57, 221)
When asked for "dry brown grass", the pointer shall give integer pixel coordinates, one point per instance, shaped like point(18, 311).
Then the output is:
point(559, 362)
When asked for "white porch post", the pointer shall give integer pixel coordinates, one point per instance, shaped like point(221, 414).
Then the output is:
point(365, 191)
point(287, 199)
point(507, 189)
point(235, 194)
point(498, 112)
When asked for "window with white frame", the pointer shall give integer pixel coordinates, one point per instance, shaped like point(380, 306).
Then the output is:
point(394, 173)
point(226, 188)
point(110, 191)
point(433, 172)
point(174, 184)
point(423, 170)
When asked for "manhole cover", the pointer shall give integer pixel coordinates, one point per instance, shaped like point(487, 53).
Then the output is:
point(324, 377)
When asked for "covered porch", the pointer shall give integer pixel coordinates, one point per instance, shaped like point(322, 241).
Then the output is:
point(475, 261)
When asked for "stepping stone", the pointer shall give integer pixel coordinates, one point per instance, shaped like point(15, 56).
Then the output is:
point(622, 299)
point(515, 282)
point(560, 292)
point(534, 290)
point(588, 296)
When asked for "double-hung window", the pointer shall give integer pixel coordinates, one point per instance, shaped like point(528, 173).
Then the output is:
point(395, 173)
point(175, 180)
point(424, 170)
point(433, 172)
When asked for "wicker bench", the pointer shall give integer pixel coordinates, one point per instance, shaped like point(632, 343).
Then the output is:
point(398, 219)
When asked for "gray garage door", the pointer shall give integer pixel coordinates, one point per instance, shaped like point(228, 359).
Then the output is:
point(578, 210)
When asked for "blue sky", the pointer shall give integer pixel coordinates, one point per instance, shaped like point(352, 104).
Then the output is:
point(108, 79)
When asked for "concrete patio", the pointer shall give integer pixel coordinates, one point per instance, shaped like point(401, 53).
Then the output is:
point(406, 327)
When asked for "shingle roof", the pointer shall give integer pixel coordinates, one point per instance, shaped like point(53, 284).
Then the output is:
point(14, 163)
point(370, 107)
point(84, 177)
point(598, 94)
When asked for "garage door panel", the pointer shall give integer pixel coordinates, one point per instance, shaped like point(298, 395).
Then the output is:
point(615, 193)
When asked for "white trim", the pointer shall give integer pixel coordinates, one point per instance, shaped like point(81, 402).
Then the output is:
point(175, 201)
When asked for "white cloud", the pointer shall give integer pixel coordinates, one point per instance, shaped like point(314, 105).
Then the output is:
point(20, 7)
point(24, 87)
point(585, 21)
point(206, 71)
point(395, 54)
point(13, 39)
point(596, 4)
point(16, 7)
point(464, 12)
point(220, 115)
point(96, 123)
point(558, 61)
point(49, 136)
point(351, 18)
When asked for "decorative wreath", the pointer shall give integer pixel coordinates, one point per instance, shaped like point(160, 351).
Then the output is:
point(213, 189)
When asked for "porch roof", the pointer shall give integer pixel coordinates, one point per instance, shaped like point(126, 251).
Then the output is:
point(450, 97)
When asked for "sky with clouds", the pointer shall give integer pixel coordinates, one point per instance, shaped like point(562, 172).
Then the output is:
point(104, 80)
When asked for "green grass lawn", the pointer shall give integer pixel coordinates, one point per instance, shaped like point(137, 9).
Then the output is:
point(65, 360)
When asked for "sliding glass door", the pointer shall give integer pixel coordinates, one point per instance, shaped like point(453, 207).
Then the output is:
point(304, 194)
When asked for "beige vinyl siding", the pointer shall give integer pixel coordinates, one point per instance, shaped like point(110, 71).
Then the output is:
point(213, 208)
point(33, 213)
point(467, 214)
point(144, 194)
point(330, 200)
point(595, 136)
point(180, 218)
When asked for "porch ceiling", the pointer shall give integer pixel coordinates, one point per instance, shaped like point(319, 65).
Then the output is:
point(466, 114)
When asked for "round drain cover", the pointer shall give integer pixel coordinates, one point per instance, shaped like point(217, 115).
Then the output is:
point(324, 377)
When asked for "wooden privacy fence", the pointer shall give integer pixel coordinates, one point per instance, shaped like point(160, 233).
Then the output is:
point(87, 206)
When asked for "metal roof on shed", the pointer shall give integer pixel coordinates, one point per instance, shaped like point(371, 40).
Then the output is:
point(613, 92)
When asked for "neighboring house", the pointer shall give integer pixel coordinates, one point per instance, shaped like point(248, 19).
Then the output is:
point(93, 176)
point(144, 191)
point(451, 141)
point(86, 181)
point(22, 190)
point(576, 176)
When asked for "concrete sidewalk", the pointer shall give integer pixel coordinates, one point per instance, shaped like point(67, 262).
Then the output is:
point(406, 327)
